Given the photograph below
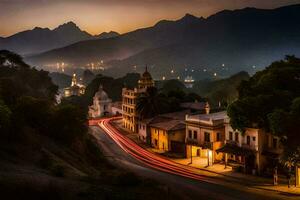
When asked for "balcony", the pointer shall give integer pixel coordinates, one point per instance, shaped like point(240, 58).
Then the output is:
point(203, 144)
point(250, 146)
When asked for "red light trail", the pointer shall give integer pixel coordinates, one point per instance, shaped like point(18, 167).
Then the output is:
point(149, 159)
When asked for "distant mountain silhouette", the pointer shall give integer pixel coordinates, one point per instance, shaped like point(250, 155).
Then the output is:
point(246, 39)
point(106, 35)
point(39, 39)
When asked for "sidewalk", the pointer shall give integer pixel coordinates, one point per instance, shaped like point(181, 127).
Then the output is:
point(218, 171)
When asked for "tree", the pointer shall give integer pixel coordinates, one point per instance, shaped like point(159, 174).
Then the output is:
point(148, 103)
point(271, 100)
point(5, 118)
point(68, 123)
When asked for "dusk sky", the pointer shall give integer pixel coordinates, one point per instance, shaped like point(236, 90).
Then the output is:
point(96, 16)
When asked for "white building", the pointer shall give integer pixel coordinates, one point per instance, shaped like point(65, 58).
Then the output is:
point(101, 104)
point(254, 148)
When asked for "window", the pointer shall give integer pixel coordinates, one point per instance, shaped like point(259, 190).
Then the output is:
point(190, 134)
point(274, 143)
point(218, 137)
point(206, 137)
point(230, 135)
point(155, 142)
point(253, 138)
point(236, 136)
point(248, 140)
point(195, 134)
point(143, 127)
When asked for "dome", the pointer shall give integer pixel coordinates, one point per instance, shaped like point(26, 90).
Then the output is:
point(101, 94)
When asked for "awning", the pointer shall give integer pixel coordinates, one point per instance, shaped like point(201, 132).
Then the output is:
point(236, 150)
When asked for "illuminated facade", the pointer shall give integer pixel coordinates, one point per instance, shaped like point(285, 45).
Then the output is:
point(205, 133)
point(211, 137)
point(254, 150)
point(129, 100)
point(101, 104)
point(76, 89)
point(168, 136)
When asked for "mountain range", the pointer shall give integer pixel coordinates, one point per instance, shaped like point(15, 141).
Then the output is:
point(219, 45)
point(39, 39)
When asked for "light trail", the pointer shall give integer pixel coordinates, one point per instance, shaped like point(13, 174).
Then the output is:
point(149, 159)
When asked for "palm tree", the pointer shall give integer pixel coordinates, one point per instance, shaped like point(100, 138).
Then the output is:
point(290, 160)
point(150, 103)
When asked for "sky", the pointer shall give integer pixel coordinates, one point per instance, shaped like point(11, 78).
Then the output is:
point(96, 16)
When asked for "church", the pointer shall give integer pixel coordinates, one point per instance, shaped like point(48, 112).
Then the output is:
point(101, 104)
point(76, 89)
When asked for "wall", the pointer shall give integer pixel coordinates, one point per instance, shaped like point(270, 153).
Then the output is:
point(142, 133)
point(162, 139)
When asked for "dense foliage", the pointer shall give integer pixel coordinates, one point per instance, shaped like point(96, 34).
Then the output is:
point(271, 100)
point(223, 91)
point(28, 104)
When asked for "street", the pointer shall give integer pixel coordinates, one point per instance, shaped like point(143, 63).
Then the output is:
point(184, 181)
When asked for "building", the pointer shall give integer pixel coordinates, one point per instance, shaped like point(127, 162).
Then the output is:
point(210, 136)
point(76, 89)
point(205, 133)
point(144, 133)
point(168, 135)
point(116, 108)
point(189, 82)
point(101, 104)
point(129, 101)
point(255, 150)
point(199, 107)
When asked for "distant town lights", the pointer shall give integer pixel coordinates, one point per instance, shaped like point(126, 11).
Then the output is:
point(215, 74)
point(163, 78)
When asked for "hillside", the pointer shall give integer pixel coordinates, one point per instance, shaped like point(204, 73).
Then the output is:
point(39, 39)
point(240, 39)
point(46, 149)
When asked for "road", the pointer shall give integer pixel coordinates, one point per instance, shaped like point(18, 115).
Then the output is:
point(186, 182)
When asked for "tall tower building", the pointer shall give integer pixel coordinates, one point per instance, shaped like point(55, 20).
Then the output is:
point(129, 101)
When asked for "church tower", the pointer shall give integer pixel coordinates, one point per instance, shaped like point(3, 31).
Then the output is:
point(145, 80)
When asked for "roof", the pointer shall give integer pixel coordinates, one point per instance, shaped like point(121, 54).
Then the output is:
point(170, 125)
point(236, 150)
point(167, 116)
point(193, 105)
point(180, 115)
point(213, 118)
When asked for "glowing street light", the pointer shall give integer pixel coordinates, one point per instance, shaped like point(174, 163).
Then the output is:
point(163, 78)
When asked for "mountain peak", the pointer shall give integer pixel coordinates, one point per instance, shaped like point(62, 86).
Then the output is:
point(106, 35)
point(67, 26)
point(188, 16)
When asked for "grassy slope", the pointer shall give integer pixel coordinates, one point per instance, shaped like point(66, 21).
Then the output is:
point(42, 169)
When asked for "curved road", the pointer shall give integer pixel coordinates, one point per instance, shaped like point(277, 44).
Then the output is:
point(184, 181)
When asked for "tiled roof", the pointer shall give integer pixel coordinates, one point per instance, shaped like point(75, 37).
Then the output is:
point(169, 125)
